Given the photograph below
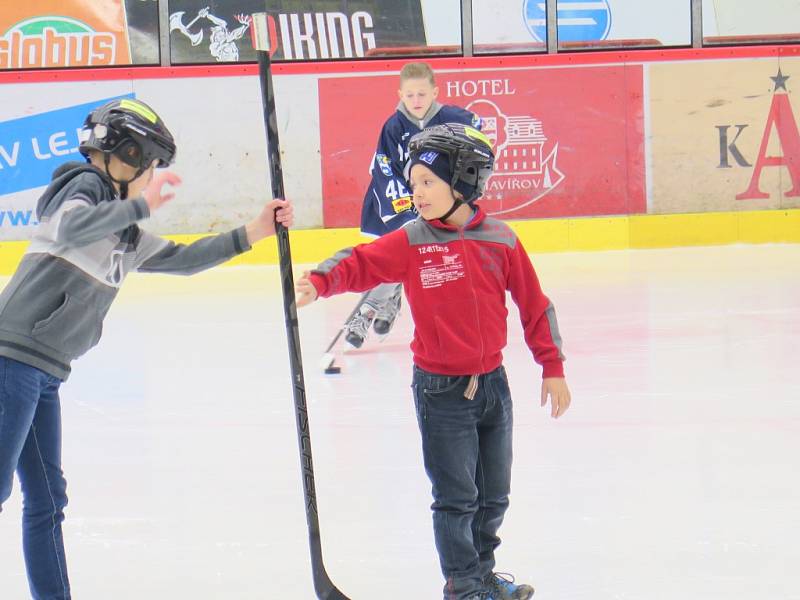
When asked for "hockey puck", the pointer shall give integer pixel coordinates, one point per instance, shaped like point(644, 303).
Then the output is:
point(333, 370)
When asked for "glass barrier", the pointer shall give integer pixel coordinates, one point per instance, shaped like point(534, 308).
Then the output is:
point(502, 27)
point(88, 33)
point(593, 24)
point(36, 34)
point(735, 22)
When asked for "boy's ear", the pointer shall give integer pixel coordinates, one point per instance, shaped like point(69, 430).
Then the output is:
point(400, 94)
point(435, 91)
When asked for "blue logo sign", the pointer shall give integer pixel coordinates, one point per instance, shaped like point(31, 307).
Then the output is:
point(578, 20)
point(428, 157)
point(32, 147)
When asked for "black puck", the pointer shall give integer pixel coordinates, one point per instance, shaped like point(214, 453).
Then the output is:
point(333, 370)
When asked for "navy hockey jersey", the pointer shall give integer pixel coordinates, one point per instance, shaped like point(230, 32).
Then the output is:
point(387, 203)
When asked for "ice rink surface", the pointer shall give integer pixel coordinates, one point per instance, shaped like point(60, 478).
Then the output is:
point(673, 476)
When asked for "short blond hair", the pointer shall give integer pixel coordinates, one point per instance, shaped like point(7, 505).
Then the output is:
point(417, 70)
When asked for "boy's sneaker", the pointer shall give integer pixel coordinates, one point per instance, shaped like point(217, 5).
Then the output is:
point(387, 314)
point(502, 587)
point(356, 329)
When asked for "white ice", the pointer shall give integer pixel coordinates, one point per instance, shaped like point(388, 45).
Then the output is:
point(673, 475)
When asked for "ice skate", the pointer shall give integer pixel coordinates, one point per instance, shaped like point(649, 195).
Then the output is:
point(357, 328)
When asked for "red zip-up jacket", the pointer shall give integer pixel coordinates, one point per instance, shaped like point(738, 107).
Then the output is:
point(455, 281)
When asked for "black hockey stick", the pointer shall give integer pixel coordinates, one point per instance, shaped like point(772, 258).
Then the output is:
point(329, 357)
point(322, 583)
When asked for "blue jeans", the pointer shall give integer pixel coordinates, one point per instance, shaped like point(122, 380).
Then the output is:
point(30, 443)
point(466, 446)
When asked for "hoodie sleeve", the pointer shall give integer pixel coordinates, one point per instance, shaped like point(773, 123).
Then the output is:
point(361, 268)
point(154, 254)
point(81, 222)
point(536, 313)
point(85, 211)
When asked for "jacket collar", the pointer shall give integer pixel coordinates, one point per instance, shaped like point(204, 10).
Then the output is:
point(479, 218)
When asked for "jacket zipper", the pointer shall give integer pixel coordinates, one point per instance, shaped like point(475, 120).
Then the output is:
point(474, 292)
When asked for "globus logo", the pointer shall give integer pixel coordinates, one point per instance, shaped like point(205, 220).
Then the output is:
point(55, 41)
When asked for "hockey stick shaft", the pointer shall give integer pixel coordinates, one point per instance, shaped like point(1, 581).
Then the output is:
point(322, 584)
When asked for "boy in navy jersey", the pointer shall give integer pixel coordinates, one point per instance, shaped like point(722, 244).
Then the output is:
point(387, 203)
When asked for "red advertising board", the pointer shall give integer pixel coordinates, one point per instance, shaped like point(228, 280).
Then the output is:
point(569, 141)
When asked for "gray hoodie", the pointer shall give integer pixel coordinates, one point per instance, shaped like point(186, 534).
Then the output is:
point(52, 310)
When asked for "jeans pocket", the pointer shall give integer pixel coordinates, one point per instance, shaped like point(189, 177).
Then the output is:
point(440, 385)
point(419, 404)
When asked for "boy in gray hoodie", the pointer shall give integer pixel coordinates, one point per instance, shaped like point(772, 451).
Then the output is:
point(52, 310)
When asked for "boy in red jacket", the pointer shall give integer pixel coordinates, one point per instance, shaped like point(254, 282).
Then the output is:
point(456, 265)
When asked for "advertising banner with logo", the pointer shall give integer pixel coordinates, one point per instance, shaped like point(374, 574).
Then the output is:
point(203, 31)
point(221, 155)
point(568, 141)
point(63, 33)
point(726, 138)
point(667, 22)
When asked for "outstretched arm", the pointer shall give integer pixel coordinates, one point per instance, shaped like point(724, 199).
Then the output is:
point(157, 255)
point(357, 269)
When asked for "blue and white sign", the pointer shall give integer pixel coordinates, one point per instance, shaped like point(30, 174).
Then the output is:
point(32, 147)
point(578, 20)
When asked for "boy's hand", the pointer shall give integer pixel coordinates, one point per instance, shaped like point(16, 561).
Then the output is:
point(264, 224)
point(556, 388)
point(305, 291)
point(153, 194)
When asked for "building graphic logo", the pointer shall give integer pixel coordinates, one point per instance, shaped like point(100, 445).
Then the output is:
point(578, 20)
point(525, 162)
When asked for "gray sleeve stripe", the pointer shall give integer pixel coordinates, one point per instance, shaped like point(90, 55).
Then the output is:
point(328, 265)
point(550, 311)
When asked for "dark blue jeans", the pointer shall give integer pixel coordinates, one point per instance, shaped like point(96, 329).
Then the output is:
point(30, 443)
point(466, 446)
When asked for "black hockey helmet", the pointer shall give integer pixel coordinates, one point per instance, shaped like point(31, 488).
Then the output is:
point(469, 152)
point(132, 131)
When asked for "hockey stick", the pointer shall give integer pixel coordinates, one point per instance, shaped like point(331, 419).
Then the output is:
point(329, 357)
point(322, 584)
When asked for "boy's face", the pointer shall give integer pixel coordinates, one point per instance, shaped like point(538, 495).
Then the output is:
point(137, 186)
point(432, 195)
point(123, 172)
point(417, 95)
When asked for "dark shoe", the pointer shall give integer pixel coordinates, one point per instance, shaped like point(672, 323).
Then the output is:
point(502, 587)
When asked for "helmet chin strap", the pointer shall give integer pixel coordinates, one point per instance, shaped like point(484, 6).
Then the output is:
point(456, 203)
point(123, 184)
